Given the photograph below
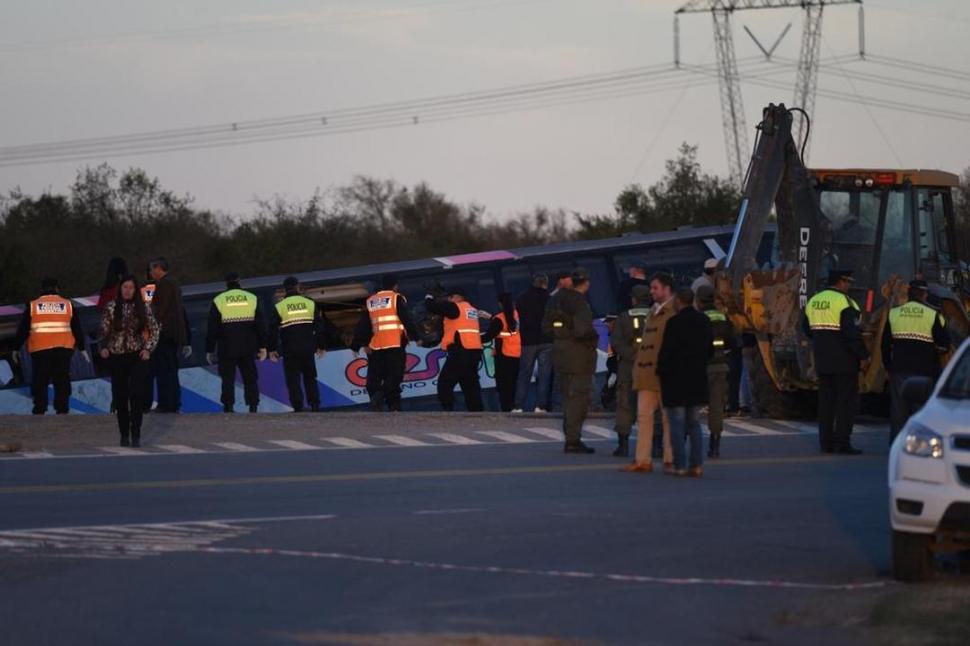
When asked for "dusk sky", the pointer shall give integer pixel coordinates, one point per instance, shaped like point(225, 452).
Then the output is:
point(110, 67)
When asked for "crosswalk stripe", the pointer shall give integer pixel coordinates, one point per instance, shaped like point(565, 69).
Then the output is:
point(121, 450)
point(402, 440)
point(235, 446)
point(795, 426)
point(724, 433)
point(37, 454)
point(551, 433)
point(753, 428)
point(507, 437)
point(179, 448)
point(347, 443)
point(295, 445)
point(454, 439)
point(599, 431)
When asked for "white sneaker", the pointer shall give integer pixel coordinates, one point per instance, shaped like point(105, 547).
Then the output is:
point(516, 410)
point(539, 410)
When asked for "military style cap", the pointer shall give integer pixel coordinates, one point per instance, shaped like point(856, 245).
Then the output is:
point(232, 277)
point(919, 284)
point(580, 275)
point(705, 296)
point(290, 282)
point(835, 275)
point(641, 293)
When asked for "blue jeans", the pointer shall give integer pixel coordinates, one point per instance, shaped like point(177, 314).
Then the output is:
point(532, 354)
point(684, 422)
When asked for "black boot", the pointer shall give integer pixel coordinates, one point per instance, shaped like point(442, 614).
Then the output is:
point(714, 446)
point(622, 447)
point(254, 408)
point(578, 447)
point(227, 408)
point(125, 441)
point(136, 437)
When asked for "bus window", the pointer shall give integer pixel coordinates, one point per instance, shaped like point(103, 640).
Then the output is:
point(601, 297)
point(516, 279)
point(896, 255)
point(550, 269)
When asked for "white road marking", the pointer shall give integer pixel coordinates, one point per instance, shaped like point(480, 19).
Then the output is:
point(295, 445)
point(706, 430)
point(236, 446)
point(599, 431)
point(454, 439)
point(402, 440)
point(35, 455)
point(798, 427)
point(508, 437)
point(550, 433)
point(121, 450)
point(347, 443)
point(180, 448)
point(435, 512)
point(753, 428)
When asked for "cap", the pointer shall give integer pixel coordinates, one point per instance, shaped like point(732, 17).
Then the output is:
point(919, 284)
point(579, 275)
point(705, 296)
point(641, 293)
point(562, 274)
point(48, 282)
point(232, 277)
point(639, 264)
point(710, 263)
point(835, 275)
point(290, 282)
point(457, 291)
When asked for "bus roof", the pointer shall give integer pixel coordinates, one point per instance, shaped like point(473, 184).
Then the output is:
point(915, 176)
point(445, 263)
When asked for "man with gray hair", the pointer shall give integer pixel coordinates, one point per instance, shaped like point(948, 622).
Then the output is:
point(536, 346)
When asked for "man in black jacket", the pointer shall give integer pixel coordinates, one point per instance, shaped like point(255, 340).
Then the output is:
point(688, 345)
point(299, 331)
point(536, 346)
point(169, 312)
point(237, 329)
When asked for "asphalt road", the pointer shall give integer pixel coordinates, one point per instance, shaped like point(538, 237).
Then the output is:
point(506, 542)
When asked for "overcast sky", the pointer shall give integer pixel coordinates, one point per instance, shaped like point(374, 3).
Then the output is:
point(106, 67)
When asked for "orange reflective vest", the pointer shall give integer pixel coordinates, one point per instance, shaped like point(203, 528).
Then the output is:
point(511, 345)
point(465, 326)
point(148, 293)
point(387, 331)
point(50, 324)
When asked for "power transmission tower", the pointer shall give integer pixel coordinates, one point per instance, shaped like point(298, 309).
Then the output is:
point(732, 107)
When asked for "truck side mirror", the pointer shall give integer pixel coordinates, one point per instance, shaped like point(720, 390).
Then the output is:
point(916, 390)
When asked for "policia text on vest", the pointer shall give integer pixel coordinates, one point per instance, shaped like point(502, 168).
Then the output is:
point(235, 337)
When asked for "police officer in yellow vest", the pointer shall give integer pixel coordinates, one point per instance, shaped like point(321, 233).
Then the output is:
point(383, 332)
point(831, 321)
point(299, 331)
point(718, 366)
point(625, 339)
point(236, 336)
point(52, 330)
point(462, 340)
point(912, 341)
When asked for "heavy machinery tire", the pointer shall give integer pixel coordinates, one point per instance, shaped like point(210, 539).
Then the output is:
point(771, 401)
point(912, 557)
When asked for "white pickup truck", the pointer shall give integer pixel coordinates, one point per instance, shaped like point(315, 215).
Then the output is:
point(929, 472)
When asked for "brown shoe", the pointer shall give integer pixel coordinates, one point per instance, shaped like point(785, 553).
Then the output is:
point(695, 472)
point(637, 467)
point(668, 468)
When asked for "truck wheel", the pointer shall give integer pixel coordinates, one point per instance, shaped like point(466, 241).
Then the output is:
point(912, 557)
point(771, 402)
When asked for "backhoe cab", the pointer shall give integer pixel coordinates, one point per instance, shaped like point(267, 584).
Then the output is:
point(888, 226)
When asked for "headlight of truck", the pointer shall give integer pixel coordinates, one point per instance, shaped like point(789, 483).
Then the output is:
point(922, 442)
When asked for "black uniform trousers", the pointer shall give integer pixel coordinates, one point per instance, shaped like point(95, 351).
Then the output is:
point(297, 367)
point(838, 397)
point(385, 373)
point(461, 369)
point(506, 378)
point(128, 389)
point(247, 369)
point(51, 366)
point(165, 363)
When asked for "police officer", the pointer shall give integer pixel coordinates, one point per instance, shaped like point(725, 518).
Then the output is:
point(52, 330)
point(383, 332)
point(911, 342)
point(718, 367)
point(462, 341)
point(298, 331)
point(831, 320)
point(624, 339)
point(569, 320)
point(237, 329)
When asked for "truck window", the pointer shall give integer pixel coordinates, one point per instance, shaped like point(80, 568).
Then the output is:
point(933, 245)
point(896, 255)
point(852, 220)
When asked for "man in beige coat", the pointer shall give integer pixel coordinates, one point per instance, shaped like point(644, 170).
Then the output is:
point(645, 379)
